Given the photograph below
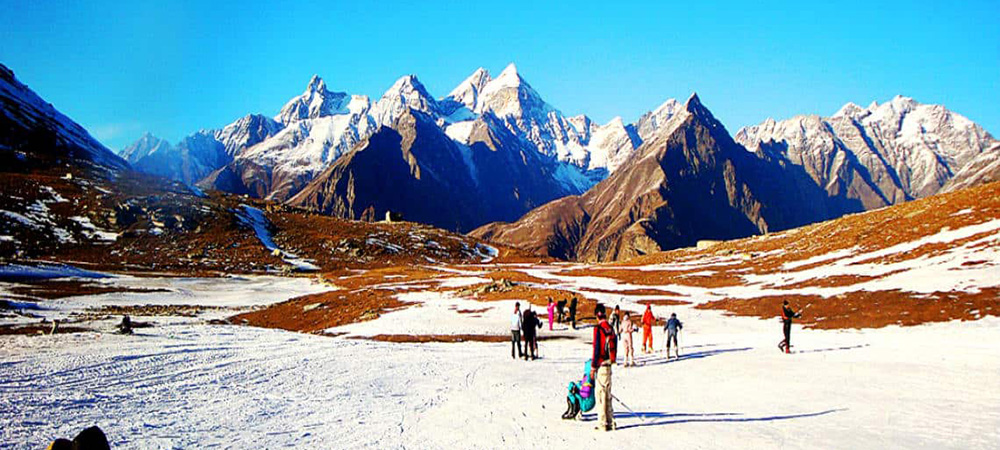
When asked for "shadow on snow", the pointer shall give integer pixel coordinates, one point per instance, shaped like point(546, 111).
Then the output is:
point(677, 418)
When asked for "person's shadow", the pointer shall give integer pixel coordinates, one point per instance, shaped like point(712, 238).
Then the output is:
point(663, 418)
point(657, 359)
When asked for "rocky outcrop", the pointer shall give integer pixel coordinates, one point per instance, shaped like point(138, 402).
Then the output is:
point(690, 181)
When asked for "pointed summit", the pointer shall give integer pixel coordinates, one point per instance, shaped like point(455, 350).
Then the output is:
point(467, 92)
point(693, 102)
point(406, 93)
point(508, 78)
point(849, 110)
point(315, 102)
point(316, 84)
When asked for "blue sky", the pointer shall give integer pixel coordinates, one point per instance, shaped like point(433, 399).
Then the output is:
point(123, 68)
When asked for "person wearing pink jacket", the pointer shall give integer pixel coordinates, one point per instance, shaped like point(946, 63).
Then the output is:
point(552, 312)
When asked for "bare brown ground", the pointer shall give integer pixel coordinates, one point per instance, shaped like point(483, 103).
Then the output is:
point(159, 310)
point(317, 312)
point(472, 311)
point(630, 291)
point(870, 309)
point(663, 302)
point(539, 297)
point(660, 277)
point(56, 289)
point(447, 338)
point(869, 231)
point(834, 281)
point(515, 276)
point(37, 330)
point(349, 279)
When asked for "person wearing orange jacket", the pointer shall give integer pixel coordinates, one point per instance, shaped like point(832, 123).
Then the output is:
point(647, 329)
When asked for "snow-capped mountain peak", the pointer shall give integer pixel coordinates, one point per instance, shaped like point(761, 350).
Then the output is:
point(849, 110)
point(647, 125)
point(316, 101)
point(146, 145)
point(467, 92)
point(903, 148)
point(406, 93)
point(316, 84)
point(508, 78)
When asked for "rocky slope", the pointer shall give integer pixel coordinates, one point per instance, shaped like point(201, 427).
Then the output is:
point(34, 135)
point(198, 155)
point(688, 181)
point(880, 155)
point(67, 198)
point(414, 168)
point(984, 168)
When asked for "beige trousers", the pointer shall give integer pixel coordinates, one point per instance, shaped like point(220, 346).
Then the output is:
point(605, 415)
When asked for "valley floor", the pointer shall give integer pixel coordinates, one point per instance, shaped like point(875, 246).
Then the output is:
point(188, 384)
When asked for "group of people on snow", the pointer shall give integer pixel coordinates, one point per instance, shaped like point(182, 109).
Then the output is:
point(594, 389)
point(524, 324)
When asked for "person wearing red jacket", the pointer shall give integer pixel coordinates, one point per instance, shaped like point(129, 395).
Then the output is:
point(604, 355)
point(647, 329)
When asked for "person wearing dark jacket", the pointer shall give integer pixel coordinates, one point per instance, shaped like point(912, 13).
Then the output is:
point(786, 319)
point(671, 328)
point(529, 324)
point(572, 311)
point(603, 357)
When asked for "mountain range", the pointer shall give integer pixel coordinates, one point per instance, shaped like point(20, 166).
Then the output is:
point(492, 150)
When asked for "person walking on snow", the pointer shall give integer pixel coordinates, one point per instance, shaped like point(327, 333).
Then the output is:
point(671, 328)
point(530, 323)
point(786, 319)
point(616, 321)
point(647, 329)
point(604, 352)
point(629, 328)
point(552, 311)
point(572, 311)
point(515, 330)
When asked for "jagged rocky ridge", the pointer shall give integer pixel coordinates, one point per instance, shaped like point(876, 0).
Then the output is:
point(289, 158)
point(690, 181)
point(861, 158)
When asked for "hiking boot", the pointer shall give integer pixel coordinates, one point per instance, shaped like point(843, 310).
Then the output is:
point(570, 410)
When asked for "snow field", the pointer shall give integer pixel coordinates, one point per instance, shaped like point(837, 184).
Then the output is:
point(188, 384)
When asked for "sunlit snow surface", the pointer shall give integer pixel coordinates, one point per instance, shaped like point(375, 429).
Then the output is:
point(188, 384)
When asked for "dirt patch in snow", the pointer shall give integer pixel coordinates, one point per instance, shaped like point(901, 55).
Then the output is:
point(536, 296)
point(447, 338)
point(160, 310)
point(317, 312)
point(630, 291)
point(38, 329)
point(834, 281)
point(472, 311)
point(353, 279)
point(660, 277)
point(56, 289)
point(869, 309)
point(663, 302)
point(515, 276)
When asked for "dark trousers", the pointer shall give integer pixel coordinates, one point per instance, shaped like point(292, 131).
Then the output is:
point(572, 317)
point(788, 333)
point(530, 345)
point(515, 342)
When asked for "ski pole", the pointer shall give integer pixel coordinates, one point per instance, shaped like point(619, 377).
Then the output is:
point(629, 409)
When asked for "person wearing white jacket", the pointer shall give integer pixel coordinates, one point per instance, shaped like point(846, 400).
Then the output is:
point(515, 330)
